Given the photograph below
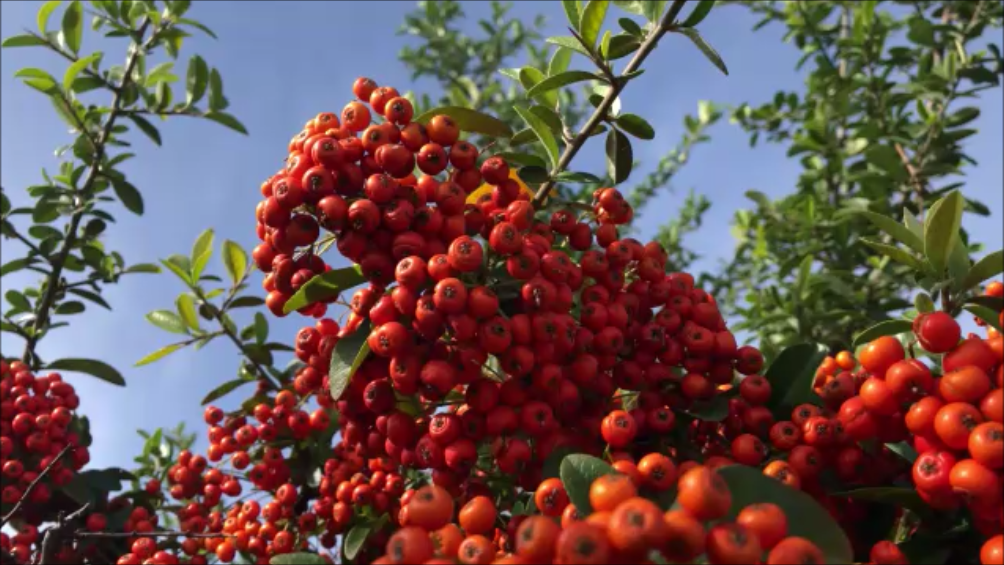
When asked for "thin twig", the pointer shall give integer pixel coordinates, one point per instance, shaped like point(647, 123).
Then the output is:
point(31, 487)
point(665, 25)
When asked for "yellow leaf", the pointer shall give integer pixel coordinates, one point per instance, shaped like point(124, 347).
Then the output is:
point(487, 188)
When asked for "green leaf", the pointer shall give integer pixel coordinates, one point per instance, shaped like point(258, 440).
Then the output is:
point(325, 286)
point(298, 559)
point(159, 354)
point(528, 159)
point(699, 13)
point(559, 61)
point(569, 42)
point(180, 266)
point(235, 259)
point(994, 303)
point(552, 465)
point(559, 80)
point(890, 226)
point(605, 45)
point(216, 100)
point(143, 268)
point(708, 50)
point(224, 389)
point(578, 472)
point(146, 127)
point(17, 300)
point(542, 131)
point(622, 45)
point(226, 119)
point(533, 175)
point(748, 485)
point(14, 266)
point(70, 307)
point(355, 539)
point(43, 15)
point(941, 229)
point(904, 450)
point(246, 302)
point(129, 195)
point(198, 26)
point(986, 314)
point(92, 296)
point(791, 376)
point(167, 320)
point(895, 496)
point(582, 177)
point(894, 253)
point(260, 327)
point(573, 10)
point(348, 355)
point(197, 80)
point(620, 157)
point(987, 267)
point(202, 250)
point(888, 327)
point(636, 126)
point(186, 310)
point(92, 367)
point(73, 26)
point(469, 120)
point(530, 77)
point(76, 68)
point(654, 9)
point(591, 20)
point(23, 40)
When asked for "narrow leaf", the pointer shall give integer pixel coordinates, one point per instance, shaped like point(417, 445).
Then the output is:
point(235, 259)
point(92, 367)
point(888, 327)
point(542, 131)
point(469, 120)
point(898, 231)
point(348, 355)
point(167, 320)
point(894, 253)
point(224, 389)
point(325, 287)
point(226, 120)
point(355, 539)
point(129, 196)
point(559, 61)
point(573, 10)
point(202, 250)
point(159, 354)
point(986, 314)
point(146, 127)
point(43, 15)
point(620, 157)
point(591, 20)
point(700, 12)
point(186, 310)
point(73, 26)
point(197, 80)
point(708, 50)
point(216, 100)
point(569, 42)
point(636, 126)
point(23, 40)
point(557, 81)
point(76, 68)
point(987, 267)
point(941, 229)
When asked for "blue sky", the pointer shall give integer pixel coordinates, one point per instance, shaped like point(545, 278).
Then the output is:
point(282, 63)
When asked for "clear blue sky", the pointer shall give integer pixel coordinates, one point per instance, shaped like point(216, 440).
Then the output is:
point(282, 63)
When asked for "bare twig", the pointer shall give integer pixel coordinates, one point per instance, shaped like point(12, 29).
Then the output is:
point(31, 487)
point(664, 26)
point(56, 535)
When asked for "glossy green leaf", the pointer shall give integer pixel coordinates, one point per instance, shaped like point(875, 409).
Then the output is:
point(573, 10)
point(700, 12)
point(530, 77)
point(186, 311)
point(69, 308)
point(469, 120)
point(559, 61)
point(325, 286)
point(91, 367)
point(224, 389)
point(92, 296)
point(533, 175)
point(941, 229)
point(227, 120)
point(791, 376)
point(542, 131)
point(73, 26)
point(895, 253)
point(622, 45)
point(22, 40)
point(577, 473)
point(17, 300)
point(591, 20)
point(904, 450)
point(235, 259)
point(636, 126)
point(260, 328)
point(202, 250)
point(76, 68)
point(159, 354)
point(898, 231)
point(582, 177)
point(528, 159)
point(706, 49)
point(298, 559)
point(167, 321)
point(988, 315)
point(348, 355)
point(143, 268)
point(569, 42)
point(654, 9)
point(895, 496)
point(605, 44)
point(888, 327)
point(989, 266)
point(620, 157)
point(557, 81)
point(355, 539)
point(246, 302)
point(197, 80)
point(217, 102)
point(42, 18)
point(146, 127)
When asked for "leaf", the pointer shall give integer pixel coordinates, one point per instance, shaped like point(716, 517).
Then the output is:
point(559, 80)
point(699, 13)
point(324, 287)
point(591, 20)
point(605, 45)
point(894, 253)
point(226, 120)
point(76, 68)
point(941, 229)
point(43, 15)
point(622, 45)
point(186, 310)
point(129, 195)
point(92, 367)
point(522, 158)
point(143, 268)
point(986, 314)
point(167, 320)
point(552, 465)
point(355, 539)
point(196, 80)
point(533, 175)
point(529, 77)
point(748, 485)
point(23, 40)
point(989, 266)
point(224, 389)
point(559, 61)
point(180, 266)
point(714, 410)
point(569, 42)
point(636, 126)
point(469, 120)
point(890, 226)
point(159, 354)
point(578, 472)
point(246, 302)
point(73, 26)
point(542, 131)
point(202, 250)
point(17, 300)
point(573, 10)
point(235, 259)
point(570, 176)
point(70, 307)
point(888, 327)
point(620, 157)
point(896, 496)
point(904, 450)
point(146, 127)
point(216, 100)
point(708, 50)
point(654, 9)
point(298, 559)
point(791, 376)
point(260, 327)
point(348, 355)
